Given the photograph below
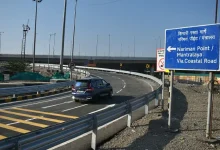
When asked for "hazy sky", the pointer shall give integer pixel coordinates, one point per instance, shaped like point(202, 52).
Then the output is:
point(122, 19)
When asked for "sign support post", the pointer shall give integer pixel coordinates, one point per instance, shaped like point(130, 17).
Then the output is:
point(170, 99)
point(162, 96)
point(210, 109)
point(210, 94)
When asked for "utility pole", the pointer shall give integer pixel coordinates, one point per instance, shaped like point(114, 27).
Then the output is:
point(109, 47)
point(74, 31)
point(97, 45)
point(134, 46)
point(35, 31)
point(63, 36)
point(121, 50)
point(54, 44)
point(49, 48)
point(79, 49)
point(210, 92)
point(1, 42)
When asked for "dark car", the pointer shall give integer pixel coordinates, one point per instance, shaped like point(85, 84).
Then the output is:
point(90, 89)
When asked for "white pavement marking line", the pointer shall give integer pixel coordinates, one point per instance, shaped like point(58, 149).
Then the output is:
point(34, 99)
point(119, 91)
point(57, 104)
point(99, 77)
point(73, 108)
point(112, 105)
point(152, 89)
point(55, 99)
point(19, 122)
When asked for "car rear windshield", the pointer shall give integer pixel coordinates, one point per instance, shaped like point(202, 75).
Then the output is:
point(82, 83)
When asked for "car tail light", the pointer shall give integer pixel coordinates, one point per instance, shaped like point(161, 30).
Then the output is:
point(73, 88)
point(90, 88)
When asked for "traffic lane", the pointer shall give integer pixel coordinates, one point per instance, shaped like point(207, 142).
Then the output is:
point(68, 102)
point(29, 114)
point(134, 86)
point(81, 109)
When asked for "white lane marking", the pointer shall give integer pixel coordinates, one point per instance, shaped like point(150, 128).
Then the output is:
point(57, 104)
point(112, 105)
point(55, 99)
point(152, 89)
point(124, 83)
point(119, 91)
point(34, 99)
point(19, 122)
point(73, 108)
point(99, 77)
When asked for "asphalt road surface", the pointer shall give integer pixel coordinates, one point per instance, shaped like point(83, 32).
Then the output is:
point(23, 118)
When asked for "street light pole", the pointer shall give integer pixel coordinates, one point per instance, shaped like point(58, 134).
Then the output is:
point(109, 47)
point(74, 31)
point(97, 45)
point(121, 50)
point(54, 44)
point(1, 41)
point(63, 37)
point(49, 50)
point(134, 46)
point(35, 31)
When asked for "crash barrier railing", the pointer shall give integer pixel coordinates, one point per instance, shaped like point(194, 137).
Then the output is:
point(59, 133)
point(124, 72)
point(13, 91)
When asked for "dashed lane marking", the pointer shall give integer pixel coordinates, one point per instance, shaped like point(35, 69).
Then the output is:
point(46, 113)
point(24, 122)
point(74, 108)
point(57, 104)
point(13, 128)
point(32, 116)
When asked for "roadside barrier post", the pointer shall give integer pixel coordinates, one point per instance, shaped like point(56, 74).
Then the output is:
point(94, 133)
point(129, 114)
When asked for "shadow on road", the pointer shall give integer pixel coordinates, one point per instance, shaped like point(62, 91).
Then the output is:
point(157, 135)
point(116, 99)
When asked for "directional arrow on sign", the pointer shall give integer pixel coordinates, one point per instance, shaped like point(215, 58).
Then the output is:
point(169, 49)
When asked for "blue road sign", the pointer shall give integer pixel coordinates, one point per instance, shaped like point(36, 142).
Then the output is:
point(193, 48)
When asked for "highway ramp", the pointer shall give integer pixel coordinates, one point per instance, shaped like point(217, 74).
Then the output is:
point(26, 117)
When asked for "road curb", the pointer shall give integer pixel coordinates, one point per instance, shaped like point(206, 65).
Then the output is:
point(26, 97)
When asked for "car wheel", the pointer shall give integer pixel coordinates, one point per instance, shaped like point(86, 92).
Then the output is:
point(110, 94)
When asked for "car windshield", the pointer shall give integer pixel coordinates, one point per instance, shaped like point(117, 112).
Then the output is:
point(81, 83)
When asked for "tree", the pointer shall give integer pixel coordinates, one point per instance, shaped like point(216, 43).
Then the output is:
point(18, 66)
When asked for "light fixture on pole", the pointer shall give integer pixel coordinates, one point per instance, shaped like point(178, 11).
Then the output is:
point(35, 30)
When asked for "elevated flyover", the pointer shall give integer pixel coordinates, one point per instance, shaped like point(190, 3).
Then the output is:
point(127, 63)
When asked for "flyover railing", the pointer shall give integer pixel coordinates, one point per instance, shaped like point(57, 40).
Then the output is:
point(59, 133)
point(13, 91)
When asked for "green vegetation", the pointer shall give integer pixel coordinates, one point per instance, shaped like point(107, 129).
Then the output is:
point(18, 66)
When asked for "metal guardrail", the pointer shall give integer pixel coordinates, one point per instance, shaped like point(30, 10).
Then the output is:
point(33, 89)
point(124, 72)
point(59, 133)
point(13, 91)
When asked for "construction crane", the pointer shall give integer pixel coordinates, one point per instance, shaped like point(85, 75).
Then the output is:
point(26, 28)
